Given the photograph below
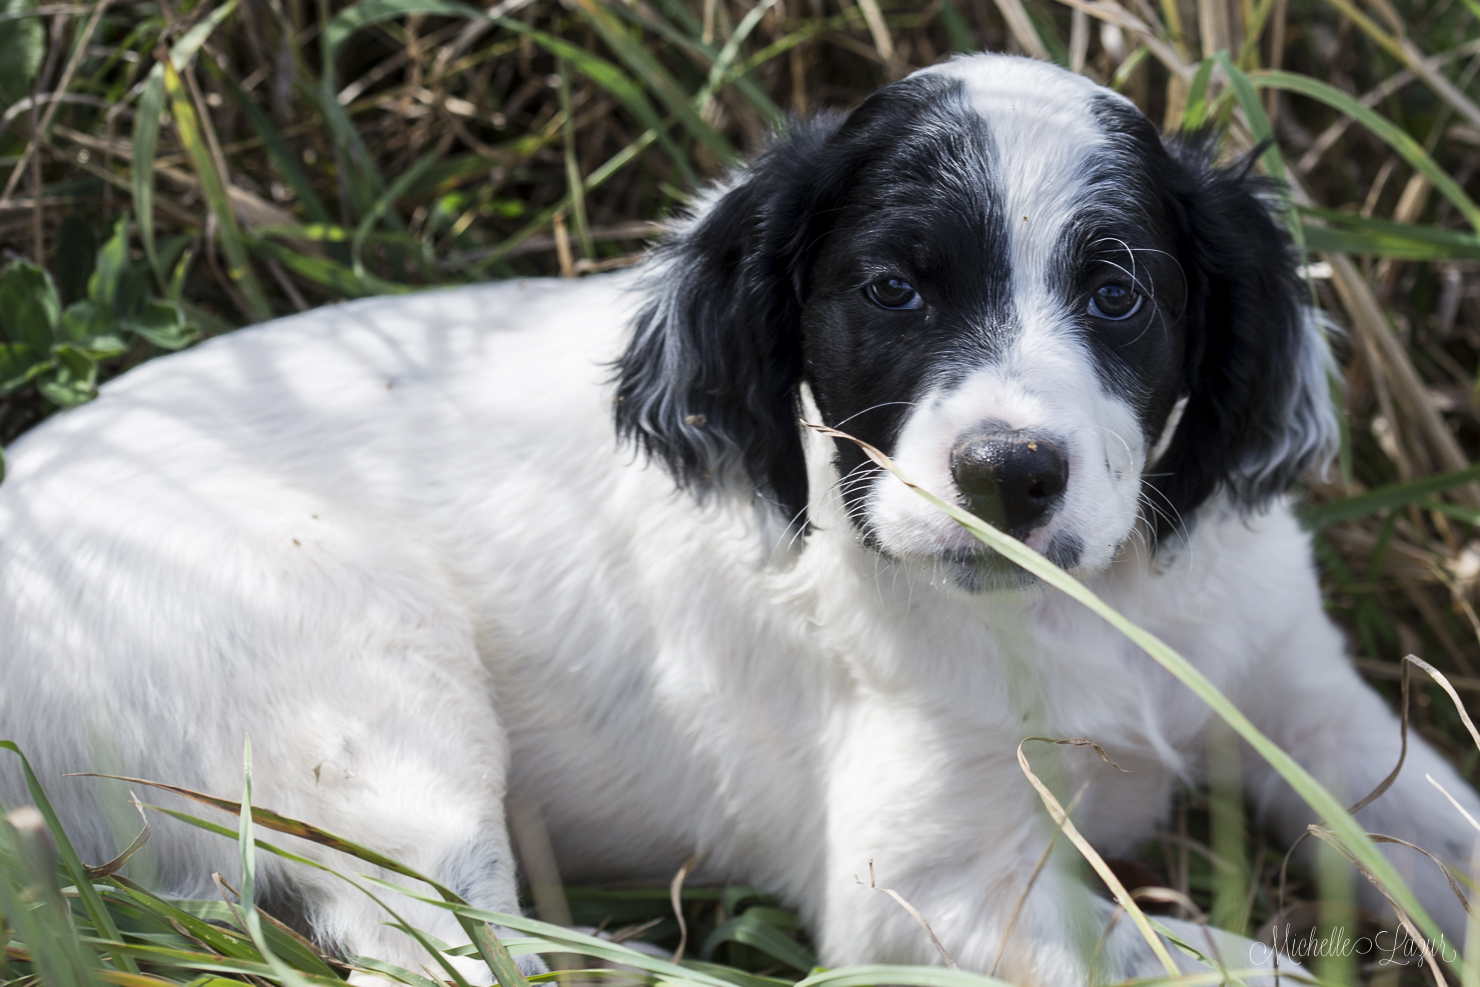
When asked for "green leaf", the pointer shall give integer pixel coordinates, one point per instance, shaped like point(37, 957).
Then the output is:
point(29, 306)
point(753, 931)
point(74, 379)
point(113, 261)
point(93, 326)
point(22, 46)
point(163, 324)
point(19, 365)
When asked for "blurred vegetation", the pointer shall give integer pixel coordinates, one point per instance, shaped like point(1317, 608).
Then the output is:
point(171, 170)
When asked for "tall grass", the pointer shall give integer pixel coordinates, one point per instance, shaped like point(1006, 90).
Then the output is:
point(169, 171)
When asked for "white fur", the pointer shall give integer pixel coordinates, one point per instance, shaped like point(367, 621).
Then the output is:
point(395, 542)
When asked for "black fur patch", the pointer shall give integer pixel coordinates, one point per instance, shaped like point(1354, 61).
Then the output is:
point(767, 288)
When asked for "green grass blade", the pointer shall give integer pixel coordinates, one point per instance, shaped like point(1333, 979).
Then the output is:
point(1195, 112)
point(740, 978)
point(616, 82)
point(576, 942)
point(1395, 137)
point(247, 846)
point(1315, 517)
point(338, 278)
point(1350, 233)
point(213, 187)
point(383, 204)
point(182, 51)
point(651, 71)
point(750, 930)
point(489, 947)
point(285, 160)
point(101, 920)
point(740, 78)
point(371, 12)
point(146, 139)
point(614, 164)
point(903, 976)
point(727, 54)
point(1326, 806)
point(961, 37)
point(1263, 131)
point(224, 941)
point(31, 900)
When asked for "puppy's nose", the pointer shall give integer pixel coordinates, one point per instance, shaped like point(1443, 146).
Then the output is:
point(1009, 478)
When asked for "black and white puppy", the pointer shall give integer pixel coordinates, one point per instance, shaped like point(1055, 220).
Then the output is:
point(401, 545)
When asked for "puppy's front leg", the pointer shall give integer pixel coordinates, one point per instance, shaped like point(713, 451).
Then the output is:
point(1310, 701)
point(960, 835)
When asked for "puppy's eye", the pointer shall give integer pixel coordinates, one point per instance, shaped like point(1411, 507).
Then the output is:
point(896, 293)
point(1114, 302)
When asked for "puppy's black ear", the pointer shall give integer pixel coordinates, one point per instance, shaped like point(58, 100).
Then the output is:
point(1257, 370)
point(708, 385)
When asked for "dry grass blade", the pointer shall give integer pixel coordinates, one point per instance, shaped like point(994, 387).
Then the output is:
point(1443, 682)
point(1454, 885)
point(1113, 13)
point(675, 897)
point(1017, 908)
point(899, 899)
point(116, 864)
point(1331, 840)
point(1117, 889)
point(1021, 25)
point(880, 31)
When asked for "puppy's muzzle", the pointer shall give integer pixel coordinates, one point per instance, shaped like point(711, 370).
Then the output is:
point(1010, 479)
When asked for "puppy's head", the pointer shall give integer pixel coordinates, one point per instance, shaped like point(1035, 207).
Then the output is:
point(996, 272)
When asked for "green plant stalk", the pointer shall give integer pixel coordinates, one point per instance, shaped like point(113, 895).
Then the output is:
point(1396, 138)
point(1316, 795)
point(1226, 819)
point(573, 184)
point(248, 907)
point(1396, 495)
point(239, 267)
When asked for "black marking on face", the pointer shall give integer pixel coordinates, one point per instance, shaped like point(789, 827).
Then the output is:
point(920, 208)
point(770, 286)
point(1065, 550)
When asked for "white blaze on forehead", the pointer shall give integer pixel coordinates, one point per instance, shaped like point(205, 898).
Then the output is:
point(1044, 138)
